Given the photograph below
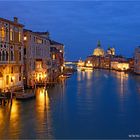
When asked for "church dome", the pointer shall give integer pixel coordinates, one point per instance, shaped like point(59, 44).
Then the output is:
point(98, 51)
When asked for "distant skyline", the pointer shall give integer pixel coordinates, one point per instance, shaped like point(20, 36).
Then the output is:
point(79, 25)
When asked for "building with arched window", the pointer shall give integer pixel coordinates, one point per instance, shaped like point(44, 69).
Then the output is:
point(11, 52)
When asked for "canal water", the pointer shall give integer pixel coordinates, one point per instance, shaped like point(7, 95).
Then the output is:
point(99, 104)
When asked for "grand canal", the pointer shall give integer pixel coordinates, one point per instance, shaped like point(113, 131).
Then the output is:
point(99, 104)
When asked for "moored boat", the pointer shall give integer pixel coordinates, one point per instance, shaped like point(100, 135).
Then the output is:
point(24, 96)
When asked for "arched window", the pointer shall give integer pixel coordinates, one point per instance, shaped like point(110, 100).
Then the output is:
point(11, 34)
point(3, 56)
point(12, 56)
point(19, 55)
point(6, 56)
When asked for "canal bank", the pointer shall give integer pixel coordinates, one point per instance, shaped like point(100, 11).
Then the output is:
point(99, 104)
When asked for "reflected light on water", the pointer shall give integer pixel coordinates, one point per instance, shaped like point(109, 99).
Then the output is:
point(43, 98)
point(44, 120)
point(123, 90)
point(14, 119)
point(89, 74)
point(14, 110)
point(79, 75)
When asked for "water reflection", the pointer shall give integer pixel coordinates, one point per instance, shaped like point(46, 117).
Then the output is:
point(89, 74)
point(10, 120)
point(96, 106)
point(123, 92)
point(123, 82)
point(43, 114)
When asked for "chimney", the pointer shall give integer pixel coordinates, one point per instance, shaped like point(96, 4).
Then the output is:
point(15, 19)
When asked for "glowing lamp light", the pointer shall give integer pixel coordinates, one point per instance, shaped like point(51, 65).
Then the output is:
point(25, 38)
point(89, 64)
point(45, 75)
point(12, 79)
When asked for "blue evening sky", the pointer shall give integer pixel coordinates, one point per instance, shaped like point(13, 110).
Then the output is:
point(79, 25)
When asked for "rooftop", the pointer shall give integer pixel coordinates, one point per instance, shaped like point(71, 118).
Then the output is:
point(15, 22)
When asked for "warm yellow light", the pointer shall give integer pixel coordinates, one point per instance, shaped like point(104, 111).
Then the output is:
point(19, 35)
point(45, 75)
point(53, 56)
point(12, 78)
point(25, 38)
point(80, 63)
point(123, 66)
point(89, 64)
point(2, 33)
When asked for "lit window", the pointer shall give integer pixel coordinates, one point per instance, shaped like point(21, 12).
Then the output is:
point(2, 33)
point(39, 41)
point(53, 56)
point(11, 34)
point(19, 35)
point(25, 38)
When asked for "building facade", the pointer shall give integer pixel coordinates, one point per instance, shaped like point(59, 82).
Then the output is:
point(37, 58)
point(137, 60)
point(11, 54)
point(98, 51)
point(57, 56)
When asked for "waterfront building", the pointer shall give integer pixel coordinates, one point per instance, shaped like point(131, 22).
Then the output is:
point(137, 60)
point(111, 51)
point(98, 51)
point(120, 66)
point(80, 63)
point(89, 62)
point(131, 64)
point(57, 57)
point(105, 62)
point(11, 54)
point(37, 58)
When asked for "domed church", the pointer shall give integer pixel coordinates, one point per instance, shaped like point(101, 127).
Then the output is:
point(98, 51)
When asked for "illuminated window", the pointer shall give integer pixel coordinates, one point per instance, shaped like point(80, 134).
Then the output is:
point(2, 33)
point(53, 56)
point(39, 41)
point(25, 38)
point(7, 80)
point(11, 34)
point(38, 64)
point(19, 35)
